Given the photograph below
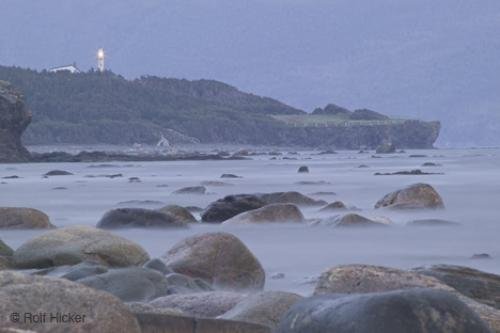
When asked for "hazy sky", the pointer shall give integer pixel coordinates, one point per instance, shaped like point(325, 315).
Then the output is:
point(435, 59)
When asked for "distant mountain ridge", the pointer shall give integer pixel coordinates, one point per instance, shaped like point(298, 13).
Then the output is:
point(93, 107)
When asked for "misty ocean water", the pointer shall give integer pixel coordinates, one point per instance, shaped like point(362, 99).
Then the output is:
point(470, 187)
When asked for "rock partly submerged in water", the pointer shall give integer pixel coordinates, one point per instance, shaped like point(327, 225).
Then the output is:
point(334, 206)
point(219, 258)
point(22, 294)
point(351, 220)
point(273, 213)
point(264, 308)
point(416, 196)
point(139, 218)
point(416, 310)
point(180, 213)
point(191, 190)
point(432, 223)
point(291, 197)
point(72, 245)
point(230, 206)
point(23, 218)
point(303, 169)
point(58, 173)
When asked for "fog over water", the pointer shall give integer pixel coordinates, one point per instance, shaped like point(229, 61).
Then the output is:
point(470, 187)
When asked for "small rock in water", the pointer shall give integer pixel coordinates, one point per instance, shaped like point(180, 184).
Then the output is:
point(481, 256)
point(303, 169)
point(432, 223)
point(162, 185)
point(229, 175)
point(324, 193)
point(362, 166)
point(417, 155)
point(58, 173)
point(215, 183)
point(411, 172)
point(191, 190)
point(430, 164)
point(60, 188)
point(278, 276)
point(11, 177)
point(312, 182)
point(134, 180)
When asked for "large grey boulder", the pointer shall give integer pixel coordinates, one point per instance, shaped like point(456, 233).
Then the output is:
point(416, 196)
point(98, 311)
point(206, 304)
point(23, 218)
point(139, 218)
point(219, 258)
point(481, 286)
point(350, 279)
point(180, 213)
point(273, 213)
point(14, 118)
point(72, 245)
point(264, 308)
point(291, 197)
point(130, 284)
point(229, 206)
point(408, 311)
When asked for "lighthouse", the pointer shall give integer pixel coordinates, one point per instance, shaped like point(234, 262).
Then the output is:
point(100, 60)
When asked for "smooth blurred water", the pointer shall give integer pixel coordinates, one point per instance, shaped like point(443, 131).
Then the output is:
point(470, 188)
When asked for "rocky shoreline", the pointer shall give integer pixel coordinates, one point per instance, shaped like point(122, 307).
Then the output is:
point(212, 282)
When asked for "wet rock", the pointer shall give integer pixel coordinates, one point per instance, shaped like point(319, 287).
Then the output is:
point(139, 218)
point(183, 284)
point(430, 164)
point(386, 148)
point(481, 256)
point(229, 206)
point(417, 155)
point(278, 276)
point(179, 213)
point(72, 245)
point(130, 284)
point(478, 285)
point(134, 180)
point(416, 172)
point(350, 279)
point(264, 308)
point(215, 183)
point(273, 213)
point(334, 206)
point(363, 166)
point(324, 193)
point(432, 223)
point(229, 175)
point(141, 307)
point(11, 177)
point(416, 196)
point(23, 218)
point(219, 258)
point(162, 323)
point(291, 197)
point(157, 265)
point(303, 169)
point(84, 270)
point(207, 304)
point(191, 190)
point(313, 182)
point(5, 250)
point(34, 294)
point(417, 310)
point(58, 173)
point(351, 221)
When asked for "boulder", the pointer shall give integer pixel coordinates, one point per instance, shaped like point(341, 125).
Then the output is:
point(139, 218)
point(478, 285)
point(72, 245)
point(164, 323)
point(14, 118)
point(182, 284)
point(432, 223)
point(5, 250)
point(416, 196)
point(58, 173)
point(84, 270)
point(416, 310)
point(215, 183)
point(219, 258)
point(191, 190)
point(131, 284)
point(291, 197)
point(179, 213)
point(303, 169)
point(157, 265)
point(23, 218)
point(334, 206)
point(386, 148)
point(273, 213)
point(93, 310)
point(350, 221)
point(229, 206)
point(207, 304)
point(349, 279)
point(264, 308)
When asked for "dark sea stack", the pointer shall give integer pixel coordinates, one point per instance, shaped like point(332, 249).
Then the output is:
point(14, 118)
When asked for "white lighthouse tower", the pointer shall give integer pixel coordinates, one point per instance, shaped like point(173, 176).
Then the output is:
point(100, 60)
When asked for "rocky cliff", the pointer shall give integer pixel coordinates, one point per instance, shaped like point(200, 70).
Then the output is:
point(14, 118)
